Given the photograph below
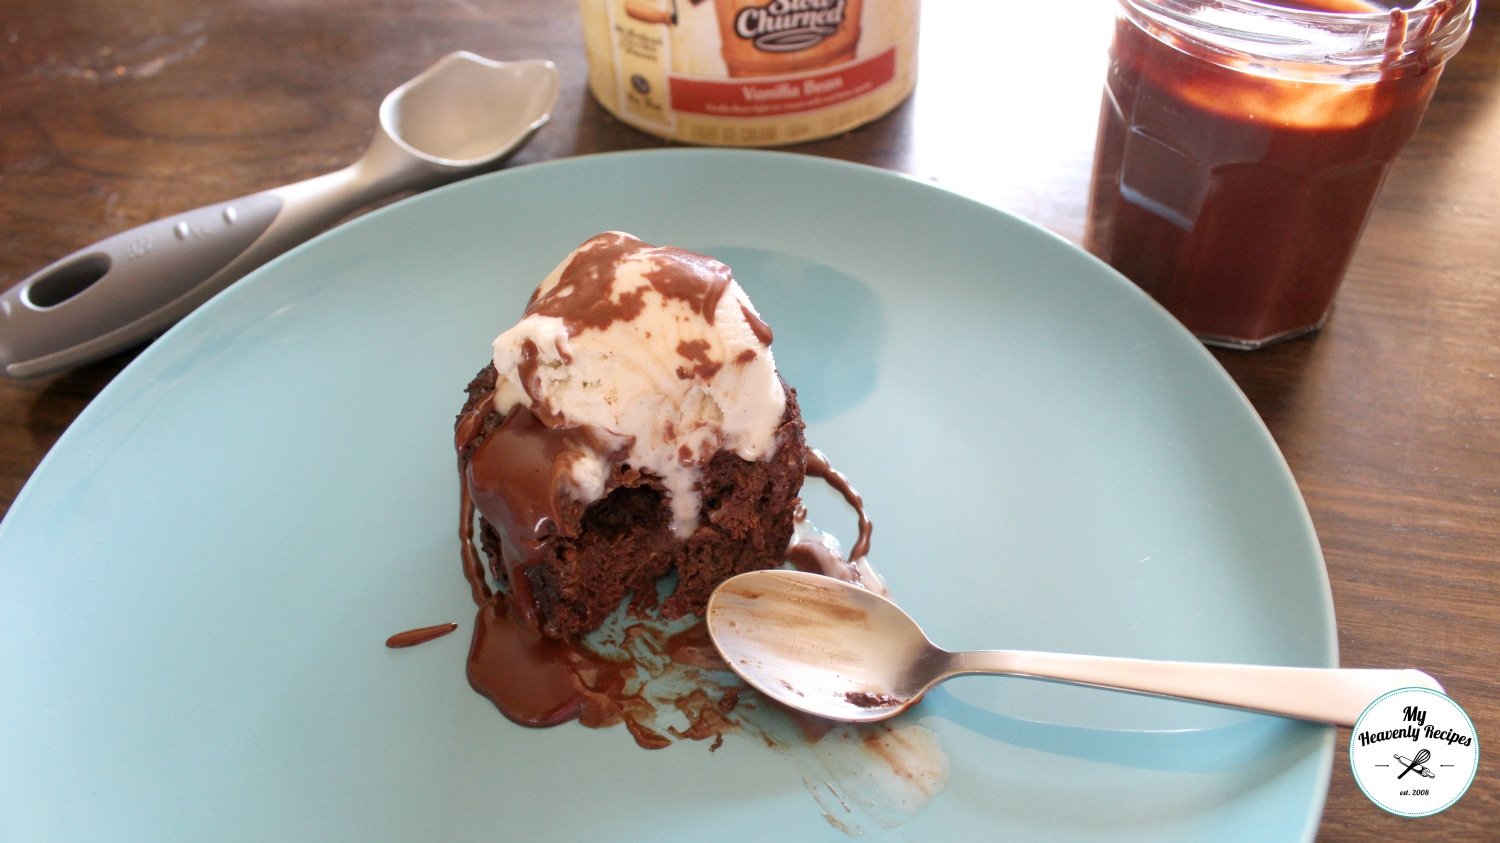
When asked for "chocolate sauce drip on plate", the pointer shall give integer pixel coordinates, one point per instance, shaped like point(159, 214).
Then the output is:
point(531, 678)
point(421, 635)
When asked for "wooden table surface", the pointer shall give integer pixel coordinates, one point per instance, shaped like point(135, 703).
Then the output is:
point(117, 112)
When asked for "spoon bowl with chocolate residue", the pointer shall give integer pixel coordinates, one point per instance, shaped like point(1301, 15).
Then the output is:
point(835, 650)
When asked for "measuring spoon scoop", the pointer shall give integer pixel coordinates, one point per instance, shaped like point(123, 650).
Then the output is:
point(462, 116)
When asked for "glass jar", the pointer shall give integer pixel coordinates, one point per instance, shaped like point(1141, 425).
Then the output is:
point(1242, 144)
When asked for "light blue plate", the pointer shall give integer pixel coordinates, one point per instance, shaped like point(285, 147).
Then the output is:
point(196, 585)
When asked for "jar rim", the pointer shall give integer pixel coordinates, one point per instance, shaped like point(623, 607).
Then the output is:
point(1314, 45)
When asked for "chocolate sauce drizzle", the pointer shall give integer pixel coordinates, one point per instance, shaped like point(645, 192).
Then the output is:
point(819, 467)
point(581, 297)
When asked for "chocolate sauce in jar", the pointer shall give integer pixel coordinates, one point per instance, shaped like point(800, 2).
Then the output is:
point(1232, 182)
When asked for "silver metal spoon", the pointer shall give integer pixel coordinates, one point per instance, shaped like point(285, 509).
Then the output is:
point(462, 116)
point(835, 650)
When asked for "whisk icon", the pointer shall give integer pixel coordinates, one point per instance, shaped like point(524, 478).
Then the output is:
point(1415, 765)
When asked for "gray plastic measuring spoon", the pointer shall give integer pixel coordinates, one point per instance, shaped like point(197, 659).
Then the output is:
point(462, 116)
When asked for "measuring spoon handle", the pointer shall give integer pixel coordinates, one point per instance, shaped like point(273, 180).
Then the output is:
point(132, 286)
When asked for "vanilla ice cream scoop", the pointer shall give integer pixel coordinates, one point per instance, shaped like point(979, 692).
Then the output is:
point(656, 354)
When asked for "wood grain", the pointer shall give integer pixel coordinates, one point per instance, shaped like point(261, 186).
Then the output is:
point(116, 112)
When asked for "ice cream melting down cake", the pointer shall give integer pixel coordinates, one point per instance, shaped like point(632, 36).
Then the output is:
point(632, 425)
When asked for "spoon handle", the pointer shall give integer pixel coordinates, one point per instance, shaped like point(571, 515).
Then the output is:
point(1325, 695)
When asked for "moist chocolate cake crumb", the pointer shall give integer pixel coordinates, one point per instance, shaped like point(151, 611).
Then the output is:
point(622, 544)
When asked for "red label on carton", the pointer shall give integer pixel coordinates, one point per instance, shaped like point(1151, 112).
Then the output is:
point(757, 97)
